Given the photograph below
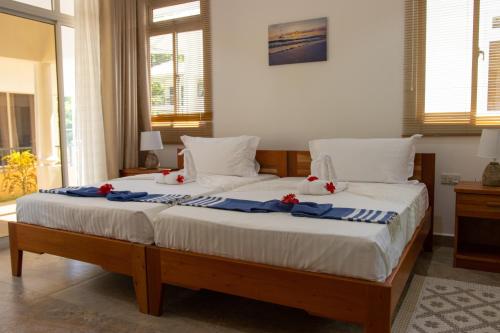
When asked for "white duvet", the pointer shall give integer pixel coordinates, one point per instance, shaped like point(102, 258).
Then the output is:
point(362, 250)
point(129, 221)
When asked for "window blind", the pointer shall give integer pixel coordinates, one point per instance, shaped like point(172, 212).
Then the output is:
point(452, 66)
point(180, 68)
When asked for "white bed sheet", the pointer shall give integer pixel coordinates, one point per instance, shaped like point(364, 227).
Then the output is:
point(129, 221)
point(362, 250)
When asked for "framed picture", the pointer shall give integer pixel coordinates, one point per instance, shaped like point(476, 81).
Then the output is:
point(297, 42)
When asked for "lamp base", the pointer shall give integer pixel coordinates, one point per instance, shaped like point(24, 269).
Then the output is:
point(152, 161)
point(491, 174)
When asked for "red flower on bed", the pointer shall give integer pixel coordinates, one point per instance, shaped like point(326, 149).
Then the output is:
point(312, 178)
point(105, 189)
point(166, 172)
point(290, 199)
point(180, 179)
point(330, 187)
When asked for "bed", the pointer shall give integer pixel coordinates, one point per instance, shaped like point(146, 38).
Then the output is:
point(113, 235)
point(259, 257)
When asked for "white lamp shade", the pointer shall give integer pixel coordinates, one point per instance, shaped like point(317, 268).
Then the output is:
point(151, 140)
point(489, 146)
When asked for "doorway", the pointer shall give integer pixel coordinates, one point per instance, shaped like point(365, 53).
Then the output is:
point(30, 143)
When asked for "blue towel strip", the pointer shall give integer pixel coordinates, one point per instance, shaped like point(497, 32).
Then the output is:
point(121, 196)
point(303, 209)
point(76, 191)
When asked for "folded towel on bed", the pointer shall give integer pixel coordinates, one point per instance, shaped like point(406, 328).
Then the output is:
point(302, 209)
point(238, 205)
point(76, 191)
point(315, 186)
point(346, 214)
point(172, 178)
point(168, 199)
point(125, 195)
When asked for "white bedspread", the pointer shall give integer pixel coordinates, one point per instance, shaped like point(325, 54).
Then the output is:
point(354, 249)
point(129, 221)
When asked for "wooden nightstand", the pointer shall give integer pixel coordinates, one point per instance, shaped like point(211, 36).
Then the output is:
point(477, 227)
point(140, 171)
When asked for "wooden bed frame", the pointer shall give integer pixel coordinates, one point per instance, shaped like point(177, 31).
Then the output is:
point(113, 255)
point(371, 304)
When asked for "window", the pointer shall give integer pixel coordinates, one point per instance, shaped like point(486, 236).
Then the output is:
point(180, 68)
point(176, 11)
point(45, 4)
point(452, 66)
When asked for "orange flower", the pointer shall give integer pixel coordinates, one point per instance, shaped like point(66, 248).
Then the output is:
point(180, 179)
point(106, 188)
point(330, 187)
point(312, 178)
point(290, 199)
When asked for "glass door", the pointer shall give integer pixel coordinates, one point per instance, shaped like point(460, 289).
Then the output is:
point(30, 145)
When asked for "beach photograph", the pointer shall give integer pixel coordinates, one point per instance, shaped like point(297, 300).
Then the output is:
point(298, 42)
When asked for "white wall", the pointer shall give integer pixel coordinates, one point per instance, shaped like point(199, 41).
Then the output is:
point(358, 92)
point(17, 76)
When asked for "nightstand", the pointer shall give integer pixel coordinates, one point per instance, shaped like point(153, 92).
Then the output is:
point(477, 227)
point(140, 171)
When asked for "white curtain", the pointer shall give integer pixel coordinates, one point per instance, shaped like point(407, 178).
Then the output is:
point(88, 126)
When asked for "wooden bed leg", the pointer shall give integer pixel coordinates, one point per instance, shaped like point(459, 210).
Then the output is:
point(379, 316)
point(155, 286)
point(140, 278)
point(16, 255)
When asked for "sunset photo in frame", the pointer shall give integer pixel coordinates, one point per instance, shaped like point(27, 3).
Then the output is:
point(298, 42)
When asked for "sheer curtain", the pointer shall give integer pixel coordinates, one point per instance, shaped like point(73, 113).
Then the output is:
point(89, 127)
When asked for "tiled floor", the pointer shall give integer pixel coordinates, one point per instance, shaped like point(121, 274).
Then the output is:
point(60, 295)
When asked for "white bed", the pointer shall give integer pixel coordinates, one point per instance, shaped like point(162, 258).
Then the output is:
point(129, 221)
point(362, 250)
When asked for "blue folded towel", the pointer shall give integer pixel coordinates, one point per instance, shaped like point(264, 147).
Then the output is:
point(168, 199)
point(360, 215)
point(303, 209)
point(238, 205)
point(310, 209)
point(75, 191)
point(122, 196)
point(88, 192)
point(125, 195)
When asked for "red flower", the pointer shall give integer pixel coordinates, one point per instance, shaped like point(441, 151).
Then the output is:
point(312, 178)
point(105, 189)
point(290, 199)
point(166, 172)
point(180, 179)
point(330, 187)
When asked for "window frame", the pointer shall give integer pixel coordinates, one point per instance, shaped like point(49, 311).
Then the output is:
point(175, 26)
point(416, 120)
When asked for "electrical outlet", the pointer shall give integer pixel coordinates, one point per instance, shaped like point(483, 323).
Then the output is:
point(450, 178)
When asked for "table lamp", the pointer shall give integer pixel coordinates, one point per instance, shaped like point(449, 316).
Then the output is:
point(150, 141)
point(489, 147)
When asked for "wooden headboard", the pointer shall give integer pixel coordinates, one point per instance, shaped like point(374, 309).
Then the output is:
point(299, 165)
point(272, 162)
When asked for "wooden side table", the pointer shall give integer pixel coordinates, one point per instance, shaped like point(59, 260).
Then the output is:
point(139, 171)
point(477, 227)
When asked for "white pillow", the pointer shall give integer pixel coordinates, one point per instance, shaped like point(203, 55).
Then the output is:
point(234, 156)
point(364, 160)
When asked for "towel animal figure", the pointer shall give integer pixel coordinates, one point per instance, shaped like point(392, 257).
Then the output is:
point(171, 178)
point(312, 185)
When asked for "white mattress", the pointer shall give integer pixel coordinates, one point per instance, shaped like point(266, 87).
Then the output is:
point(362, 250)
point(129, 221)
